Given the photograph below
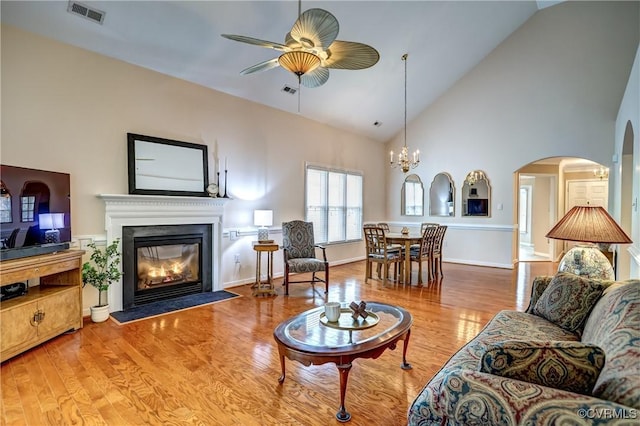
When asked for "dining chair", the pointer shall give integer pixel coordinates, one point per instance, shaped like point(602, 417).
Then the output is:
point(436, 258)
point(384, 226)
point(424, 253)
point(423, 225)
point(380, 252)
point(299, 252)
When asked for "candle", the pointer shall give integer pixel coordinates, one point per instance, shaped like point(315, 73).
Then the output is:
point(391, 156)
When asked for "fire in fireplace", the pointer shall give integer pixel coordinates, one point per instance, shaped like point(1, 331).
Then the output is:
point(165, 261)
point(165, 265)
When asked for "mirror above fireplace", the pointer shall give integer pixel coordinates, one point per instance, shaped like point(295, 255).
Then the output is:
point(166, 167)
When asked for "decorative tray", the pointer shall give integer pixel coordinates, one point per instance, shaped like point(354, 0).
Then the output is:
point(346, 321)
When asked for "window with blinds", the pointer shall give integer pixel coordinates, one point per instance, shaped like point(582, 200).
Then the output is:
point(334, 204)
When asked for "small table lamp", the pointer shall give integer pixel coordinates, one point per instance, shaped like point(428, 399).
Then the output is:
point(588, 225)
point(51, 222)
point(263, 218)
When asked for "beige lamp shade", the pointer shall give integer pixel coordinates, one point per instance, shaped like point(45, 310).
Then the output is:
point(589, 224)
point(299, 62)
point(51, 220)
point(263, 218)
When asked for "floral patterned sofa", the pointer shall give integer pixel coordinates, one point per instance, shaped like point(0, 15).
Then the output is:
point(572, 358)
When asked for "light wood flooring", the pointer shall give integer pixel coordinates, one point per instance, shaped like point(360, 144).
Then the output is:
point(219, 365)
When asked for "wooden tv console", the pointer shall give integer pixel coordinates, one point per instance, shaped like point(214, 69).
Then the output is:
point(48, 309)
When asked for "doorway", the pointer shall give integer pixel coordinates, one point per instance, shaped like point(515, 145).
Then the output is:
point(537, 195)
point(546, 190)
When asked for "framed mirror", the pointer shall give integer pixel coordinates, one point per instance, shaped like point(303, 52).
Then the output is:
point(166, 167)
point(412, 196)
point(442, 196)
point(476, 195)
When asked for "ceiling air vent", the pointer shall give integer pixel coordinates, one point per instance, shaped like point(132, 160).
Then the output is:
point(290, 90)
point(85, 11)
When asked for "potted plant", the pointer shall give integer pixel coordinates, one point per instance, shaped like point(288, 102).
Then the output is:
point(100, 272)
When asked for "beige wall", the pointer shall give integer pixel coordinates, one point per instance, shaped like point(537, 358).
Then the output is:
point(540, 214)
point(69, 110)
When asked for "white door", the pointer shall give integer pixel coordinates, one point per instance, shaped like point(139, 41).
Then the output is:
point(587, 193)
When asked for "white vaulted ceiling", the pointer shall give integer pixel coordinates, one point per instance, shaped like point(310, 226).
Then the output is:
point(444, 39)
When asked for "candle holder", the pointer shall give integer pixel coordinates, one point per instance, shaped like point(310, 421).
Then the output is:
point(218, 183)
point(225, 184)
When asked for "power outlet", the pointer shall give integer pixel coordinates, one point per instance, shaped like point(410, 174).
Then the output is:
point(236, 258)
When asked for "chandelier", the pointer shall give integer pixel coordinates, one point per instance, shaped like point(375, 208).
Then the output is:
point(405, 162)
point(601, 172)
point(474, 177)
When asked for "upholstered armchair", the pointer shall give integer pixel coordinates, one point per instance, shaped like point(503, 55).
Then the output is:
point(300, 254)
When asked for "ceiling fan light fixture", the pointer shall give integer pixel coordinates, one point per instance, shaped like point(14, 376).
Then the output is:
point(299, 62)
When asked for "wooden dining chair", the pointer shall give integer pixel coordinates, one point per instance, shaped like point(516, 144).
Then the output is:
point(378, 251)
point(424, 253)
point(423, 225)
point(436, 257)
point(384, 226)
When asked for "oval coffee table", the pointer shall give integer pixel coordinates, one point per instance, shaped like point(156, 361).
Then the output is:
point(304, 338)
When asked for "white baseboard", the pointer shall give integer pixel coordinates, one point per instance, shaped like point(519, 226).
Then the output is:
point(479, 263)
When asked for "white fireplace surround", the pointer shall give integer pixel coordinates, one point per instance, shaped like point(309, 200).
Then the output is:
point(149, 210)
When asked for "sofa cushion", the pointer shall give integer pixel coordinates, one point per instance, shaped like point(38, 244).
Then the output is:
point(571, 366)
point(614, 325)
point(568, 300)
point(539, 285)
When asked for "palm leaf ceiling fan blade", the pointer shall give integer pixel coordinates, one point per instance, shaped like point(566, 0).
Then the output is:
point(315, 78)
point(262, 66)
point(315, 28)
point(256, 41)
point(311, 48)
point(349, 55)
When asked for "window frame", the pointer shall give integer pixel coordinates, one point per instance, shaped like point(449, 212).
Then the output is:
point(327, 207)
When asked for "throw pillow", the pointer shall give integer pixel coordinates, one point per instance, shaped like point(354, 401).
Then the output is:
point(540, 283)
point(570, 366)
point(568, 299)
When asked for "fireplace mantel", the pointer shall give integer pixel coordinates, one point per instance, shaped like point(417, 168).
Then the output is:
point(142, 210)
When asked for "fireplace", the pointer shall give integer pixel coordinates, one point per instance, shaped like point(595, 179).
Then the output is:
point(147, 211)
point(165, 261)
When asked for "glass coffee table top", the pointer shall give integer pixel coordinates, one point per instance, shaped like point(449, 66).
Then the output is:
point(311, 331)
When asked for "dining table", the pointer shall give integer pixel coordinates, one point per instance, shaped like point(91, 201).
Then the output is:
point(407, 240)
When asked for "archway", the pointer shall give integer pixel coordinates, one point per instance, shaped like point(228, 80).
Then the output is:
point(545, 182)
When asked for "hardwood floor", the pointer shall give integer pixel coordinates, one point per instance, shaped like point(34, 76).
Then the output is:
point(218, 364)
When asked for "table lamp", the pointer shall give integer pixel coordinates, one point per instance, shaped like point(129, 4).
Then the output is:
point(588, 225)
point(263, 218)
point(51, 222)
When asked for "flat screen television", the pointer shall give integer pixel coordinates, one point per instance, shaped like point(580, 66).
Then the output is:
point(478, 207)
point(35, 212)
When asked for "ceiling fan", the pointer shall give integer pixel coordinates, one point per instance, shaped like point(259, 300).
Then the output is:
point(310, 49)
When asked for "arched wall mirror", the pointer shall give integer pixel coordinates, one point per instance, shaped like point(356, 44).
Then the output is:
point(412, 196)
point(442, 196)
point(476, 195)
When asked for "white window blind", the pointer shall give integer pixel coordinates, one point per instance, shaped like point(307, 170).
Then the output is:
point(334, 204)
